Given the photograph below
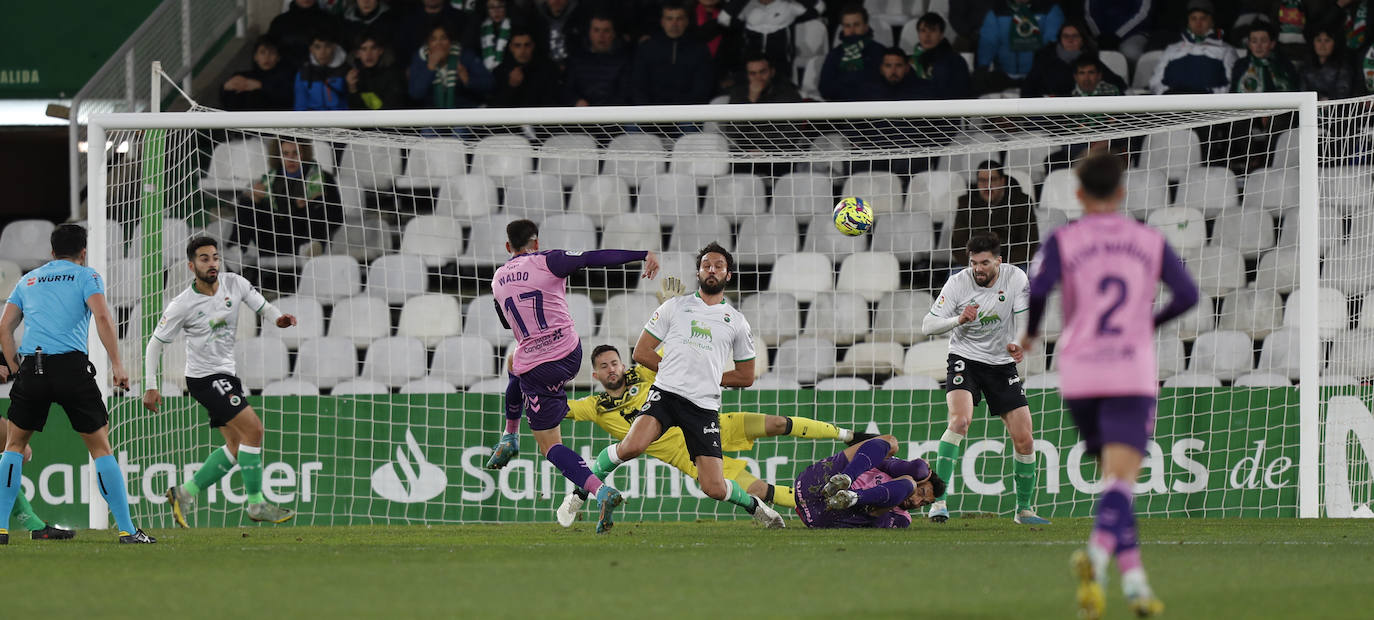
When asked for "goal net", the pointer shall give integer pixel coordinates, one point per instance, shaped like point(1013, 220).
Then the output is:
point(380, 233)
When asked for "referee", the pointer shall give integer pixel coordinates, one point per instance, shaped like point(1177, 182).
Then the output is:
point(58, 300)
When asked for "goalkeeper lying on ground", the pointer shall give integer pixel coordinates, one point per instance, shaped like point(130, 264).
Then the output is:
point(865, 487)
point(625, 392)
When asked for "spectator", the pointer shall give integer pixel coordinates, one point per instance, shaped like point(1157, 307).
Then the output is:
point(1328, 69)
point(703, 24)
point(491, 35)
point(1012, 32)
point(898, 83)
point(851, 70)
point(939, 71)
point(444, 75)
point(415, 28)
point(670, 67)
point(375, 82)
point(1352, 17)
point(293, 29)
point(1291, 17)
point(564, 24)
point(1088, 80)
point(767, 25)
point(1122, 25)
point(763, 85)
point(526, 78)
point(1198, 63)
point(1052, 74)
point(369, 18)
point(992, 205)
point(965, 18)
point(1264, 69)
point(599, 74)
point(293, 208)
point(267, 86)
point(320, 82)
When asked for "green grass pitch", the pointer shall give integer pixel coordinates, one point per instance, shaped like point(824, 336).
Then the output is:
point(968, 568)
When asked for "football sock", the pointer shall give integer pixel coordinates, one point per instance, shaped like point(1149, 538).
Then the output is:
point(11, 485)
point(739, 497)
point(811, 429)
point(946, 456)
point(1024, 470)
point(606, 461)
point(215, 467)
point(888, 493)
point(111, 482)
point(573, 467)
point(783, 496)
point(514, 403)
point(25, 512)
point(869, 455)
point(1114, 531)
point(755, 424)
point(250, 466)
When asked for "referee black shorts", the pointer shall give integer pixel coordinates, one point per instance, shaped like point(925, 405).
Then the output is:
point(65, 379)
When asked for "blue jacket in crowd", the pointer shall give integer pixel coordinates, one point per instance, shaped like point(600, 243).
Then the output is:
point(672, 71)
point(994, 38)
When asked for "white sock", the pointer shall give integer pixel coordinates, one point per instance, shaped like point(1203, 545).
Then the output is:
point(1024, 458)
point(952, 437)
point(230, 453)
point(1134, 583)
point(615, 456)
point(250, 449)
point(846, 435)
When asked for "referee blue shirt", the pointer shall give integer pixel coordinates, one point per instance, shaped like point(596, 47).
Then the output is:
point(53, 298)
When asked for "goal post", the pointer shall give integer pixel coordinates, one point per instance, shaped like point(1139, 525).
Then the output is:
point(833, 317)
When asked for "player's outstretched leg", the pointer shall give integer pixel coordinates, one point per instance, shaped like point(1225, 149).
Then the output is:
point(758, 425)
point(762, 513)
point(1114, 533)
point(571, 509)
point(946, 458)
point(509, 445)
point(182, 498)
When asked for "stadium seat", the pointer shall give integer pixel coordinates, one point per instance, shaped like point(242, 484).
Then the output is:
point(1278, 270)
point(10, 272)
point(1209, 189)
point(487, 242)
point(1053, 323)
point(1224, 354)
point(1249, 230)
point(735, 197)
point(369, 166)
point(432, 162)
point(1329, 380)
point(327, 361)
point(361, 319)
point(1037, 362)
point(1144, 71)
point(632, 231)
point(394, 361)
point(488, 386)
point(810, 85)
point(911, 382)
point(1279, 353)
point(668, 196)
point(772, 381)
point(936, 192)
point(1348, 269)
point(810, 39)
point(1366, 318)
point(1218, 270)
point(907, 236)
point(1192, 380)
point(805, 359)
point(309, 321)
point(359, 387)
point(872, 358)
point(503, 157)
point(702, 156)
point(1183, 227)
point(463, 360)
point(328, 279)
point(841, 318)
point(1116, 62)
point(569, 157)
point(1046, 221)
point(870, 274)
point(175, 234)
point(777, 317)
point(635, 157)
point(824, 151)
point(1271, 189)
point(1330, 229)
point(928, 359)
point(1060, 193)
point(1029, 160)
point(1332, 317)
point(431, 318)
point(822, 238)
point(1262, 379)
point(1285, 149)
point(600, 198)
point(693, 232)
point(363, 242)
point(261, 361)
point(988, 147)
point(843, 384)
point(803, 275)
point(427, 385)
point(1146, 190)
point(567, 231)
point(1256, 312)
point(481, 320)
point(436, 240)
point(680, 265)
point(882, 190)
point(533, 196)
point(396, 278)
point(291, 387)
point(122, 282)
point(803, 194)
point(235, 166)
point(1175, 152)
point(1344, 185)
point(624, 317)
point(1201, 318)
point(173, 360)
point(762, 240)
point(899, 317)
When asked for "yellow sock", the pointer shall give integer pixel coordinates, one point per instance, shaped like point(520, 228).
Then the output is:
point(811, 429)
point(755, 424)
point(782, 496)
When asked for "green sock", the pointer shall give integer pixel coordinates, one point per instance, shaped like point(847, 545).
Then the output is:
point(24, 511)
point(740, 497)
point(604, 465)
point(945, 459)
point(215, 467)
point(1024, 469)
point(250, 465)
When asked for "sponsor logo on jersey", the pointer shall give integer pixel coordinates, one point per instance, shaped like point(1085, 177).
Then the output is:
point(711, 428)
point(1013, 380)
point(989, 319)
point(62, 277)
point(700, 330)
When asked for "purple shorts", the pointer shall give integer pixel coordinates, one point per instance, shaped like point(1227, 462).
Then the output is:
point(546, 402)
point(1114, 419)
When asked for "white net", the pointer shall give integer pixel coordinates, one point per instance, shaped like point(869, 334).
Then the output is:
point(382, 404)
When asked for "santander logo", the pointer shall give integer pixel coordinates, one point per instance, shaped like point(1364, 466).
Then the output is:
point(418, 480)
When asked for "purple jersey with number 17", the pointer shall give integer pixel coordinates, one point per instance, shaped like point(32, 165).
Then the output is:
point(1111, 268)
point(532, 299)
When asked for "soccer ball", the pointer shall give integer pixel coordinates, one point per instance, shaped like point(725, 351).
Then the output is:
point(853, 216)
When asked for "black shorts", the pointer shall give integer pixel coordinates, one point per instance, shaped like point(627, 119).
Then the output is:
point(700, 427)
point(999, 383)
point(67, 379)
point(221, 395)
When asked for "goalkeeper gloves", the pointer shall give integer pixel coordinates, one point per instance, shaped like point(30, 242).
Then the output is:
point(670, 288)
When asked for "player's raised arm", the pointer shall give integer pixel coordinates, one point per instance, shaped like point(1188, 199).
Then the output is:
point(564, 264)
point(265, 309)
point(8, 323)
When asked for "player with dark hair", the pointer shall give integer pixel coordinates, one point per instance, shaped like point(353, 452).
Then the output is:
point(56, 303)
point(529, 292)
point(864, 486)
point(208, 311)
point(1111, 266)
point(979, 305)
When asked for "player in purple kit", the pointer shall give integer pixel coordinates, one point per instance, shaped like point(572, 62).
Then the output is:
point(1110, 266)
point(529, 293)
point(864, 486)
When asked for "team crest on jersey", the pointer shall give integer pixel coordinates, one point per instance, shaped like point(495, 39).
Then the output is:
point(941, 303)
point(958, 379)
point(727, 317)
point(228, 303)
point(1001, 296)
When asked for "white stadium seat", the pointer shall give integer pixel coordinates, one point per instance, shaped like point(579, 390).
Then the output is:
point(1169, 355)
point(481, 320)
point(1257, 312)
point(841, 318)
point(466, 197)
point(436, 240)
point(487, 242)
point(427, 385)
point(1218, 270)
point(936, 192)
point(772, 381)
point(1045, 381)
point(463, 360)
point(929, 359)
point(1192, 380)
point(328, 279)
point(261, 361)
point(805, 359)
point(842, 384)
point(309, 321)
point(1332, 313)
point(667, 196)
point(680, 265)
point(802, 195)
point(434, 161)
point(762, 240)
point(1176, 152)
point(870, 274)
point(777, 316)
point(567, 231)
point(1271, 190)
point(1279, 353)
point(635, 157)
point(503, 157)
point(1330, 229)
point(632, 231)
point(735, 197)
point(882, 190)
point(327, 361)
point(693, 232)
point(431, 318)
point(359, 387)
point(1348, 269)
point(1223, 354)
point(1201, 318)
point(803, 275)
point(235, 166)
point(1146, 190)
point(702, 156)
point(1250, 231)
point(369, 166)
point(533, 196)
point(361, 319)
point(899, 316)
point(1350, 354)
point(600, 197)
point(872, 358)
point(822, 238)
point(1060, 193)
point(908, 236)
point(1262, 379)
point(624, 317)
point(175, 234)
point(488, 386)
point(1278, 270)
point(1183, 228)
point(1209, 189)
point(397, 277)
point(291, 387)
point(394, 361)
point(911, 382)
point(569, 157)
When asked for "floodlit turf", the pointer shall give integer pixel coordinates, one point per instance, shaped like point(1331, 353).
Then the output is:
point(967, 568)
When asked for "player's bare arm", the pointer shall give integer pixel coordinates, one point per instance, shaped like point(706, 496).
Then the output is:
point(8, 323)
point(105, 328)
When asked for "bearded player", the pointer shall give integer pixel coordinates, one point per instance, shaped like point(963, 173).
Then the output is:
point(864, 486)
